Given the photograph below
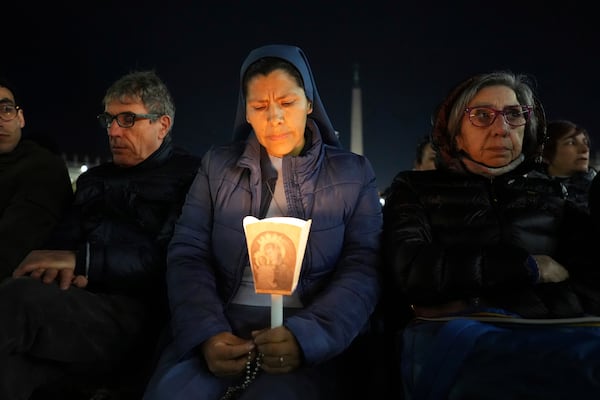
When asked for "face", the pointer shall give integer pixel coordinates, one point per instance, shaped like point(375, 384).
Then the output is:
point(498, 144)
point(10, 131)
point(572, 155)
point(277, 109)
point(428, 159)
point(273, 254)
point(130, 146)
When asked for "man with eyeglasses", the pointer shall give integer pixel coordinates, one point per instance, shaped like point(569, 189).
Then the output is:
point(87, 310)
point(35, 187)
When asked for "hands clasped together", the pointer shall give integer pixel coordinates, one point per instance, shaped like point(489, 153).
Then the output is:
point(227, 354)
point(50, 266)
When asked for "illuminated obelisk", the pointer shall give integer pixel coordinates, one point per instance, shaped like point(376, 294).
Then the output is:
point(356, 127)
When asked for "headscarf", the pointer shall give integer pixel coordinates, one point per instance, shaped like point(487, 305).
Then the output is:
point(295, 56)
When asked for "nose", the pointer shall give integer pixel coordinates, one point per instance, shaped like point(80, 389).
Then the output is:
point(113, 129)
point(275, 114)
point(500, 125)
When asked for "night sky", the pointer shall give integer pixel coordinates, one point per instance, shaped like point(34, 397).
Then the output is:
point(61, 60)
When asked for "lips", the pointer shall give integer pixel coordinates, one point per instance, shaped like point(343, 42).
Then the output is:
point(281, 136)
point(498, 149)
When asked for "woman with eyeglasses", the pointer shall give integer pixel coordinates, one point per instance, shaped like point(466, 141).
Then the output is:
point(476, 235)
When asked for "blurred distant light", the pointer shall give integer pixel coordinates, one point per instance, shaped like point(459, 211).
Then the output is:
point(83, 168)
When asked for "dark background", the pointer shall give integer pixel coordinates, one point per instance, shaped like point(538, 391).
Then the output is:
point(63, 57)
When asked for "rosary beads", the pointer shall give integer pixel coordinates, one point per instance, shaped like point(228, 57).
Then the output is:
point(249, 376)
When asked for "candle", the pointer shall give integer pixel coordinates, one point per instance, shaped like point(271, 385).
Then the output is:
point(276, 310)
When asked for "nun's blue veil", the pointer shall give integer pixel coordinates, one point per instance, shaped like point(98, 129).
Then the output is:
point(295, 56)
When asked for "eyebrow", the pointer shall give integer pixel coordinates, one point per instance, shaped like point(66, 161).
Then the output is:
point(574, 135)
point(487, 105)
point(6, 100)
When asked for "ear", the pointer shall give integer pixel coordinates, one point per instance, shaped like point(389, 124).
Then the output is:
point(458, 141)
point(309, 108)
point(21, 117)
point(165, 124)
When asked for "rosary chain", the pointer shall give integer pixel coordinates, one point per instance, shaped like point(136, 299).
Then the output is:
point(249, 377)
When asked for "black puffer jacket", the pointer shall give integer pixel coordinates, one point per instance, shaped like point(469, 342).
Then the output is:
point(123, 219)
point(574, 188)
point(594, 202)
point(35, 192)
point(450, 235)
point(454, 237)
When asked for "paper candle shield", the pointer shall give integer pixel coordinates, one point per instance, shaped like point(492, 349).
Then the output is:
point(276, 249)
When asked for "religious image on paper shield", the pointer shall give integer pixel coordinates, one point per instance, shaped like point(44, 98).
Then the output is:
point(274, 257)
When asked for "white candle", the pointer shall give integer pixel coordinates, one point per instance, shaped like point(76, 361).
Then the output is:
point(276, 310)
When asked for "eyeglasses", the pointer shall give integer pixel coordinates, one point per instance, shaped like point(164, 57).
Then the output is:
point(485, 116)
point(8, 112)
point(124, 119)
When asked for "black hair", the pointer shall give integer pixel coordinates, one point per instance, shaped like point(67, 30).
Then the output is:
point(420, 150)
point(10, 86)
point(555, 130)
point(265, 66)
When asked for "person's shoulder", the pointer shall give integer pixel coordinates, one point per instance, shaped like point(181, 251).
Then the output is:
point(347, 163)
point(185, 157)
point(426, 175)
point(589, 175)
point(596, 181)
point(180, 151)
point(39, 154)
point(339, 154)
point(594, 190)
point(225, 153)
point(233, 147)
point(337, 150)
point(537, 174)
point(432, 180)
point(97, 170)
point(33, 147)
point(45, 141)
point(411, 181)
